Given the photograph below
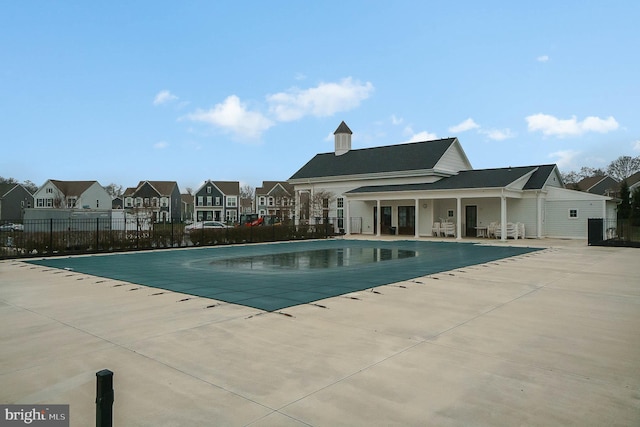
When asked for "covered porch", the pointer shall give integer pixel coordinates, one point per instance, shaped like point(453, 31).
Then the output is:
point(452, 214)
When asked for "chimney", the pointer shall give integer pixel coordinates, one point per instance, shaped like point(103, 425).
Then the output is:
point(342, 137)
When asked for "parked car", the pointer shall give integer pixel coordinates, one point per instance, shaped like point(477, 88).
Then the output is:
point(9, 226)
point(204, 224)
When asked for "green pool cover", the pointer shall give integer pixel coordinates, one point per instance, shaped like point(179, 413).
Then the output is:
point(274, 276)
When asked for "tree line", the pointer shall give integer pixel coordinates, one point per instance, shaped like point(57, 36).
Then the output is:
point(619, 169)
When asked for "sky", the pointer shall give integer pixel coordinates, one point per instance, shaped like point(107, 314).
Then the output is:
point(249, 91)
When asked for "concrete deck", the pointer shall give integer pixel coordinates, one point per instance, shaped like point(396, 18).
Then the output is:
point(547, 338)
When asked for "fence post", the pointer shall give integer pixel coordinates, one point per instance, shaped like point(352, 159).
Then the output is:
point(97, 233)
point(50, 235)
point(104, 398)
point(172, 219)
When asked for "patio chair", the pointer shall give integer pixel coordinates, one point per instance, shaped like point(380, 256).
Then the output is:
point(491, 230)
point(449, 229)
point(435, 230)
point(512, 231)
point(520, 230)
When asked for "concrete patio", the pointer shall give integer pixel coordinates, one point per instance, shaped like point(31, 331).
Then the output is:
point(547, 338)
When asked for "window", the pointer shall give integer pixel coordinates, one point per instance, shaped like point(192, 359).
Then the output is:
point(146, 201)
point(49, 203)
point(49, 190)
point(217, 201)
point(270, 201)
point(40, 203)
point(200, 201)
point(208, 190)
point(450, 213)
point(71, 202)
point(138, 202)
point(97, 204)
point(340, 212)
point(209, 199)
point(232, 201)
point(262, 201)
point(128, 202)
point(573, 213)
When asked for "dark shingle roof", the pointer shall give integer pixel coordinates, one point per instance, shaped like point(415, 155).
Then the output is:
point(343, 128)
point(268, 186)
point(481, 178)
point(390, 158)
point(5, 188)
point(72, 188)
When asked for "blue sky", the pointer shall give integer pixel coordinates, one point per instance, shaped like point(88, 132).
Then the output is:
point(249, 91)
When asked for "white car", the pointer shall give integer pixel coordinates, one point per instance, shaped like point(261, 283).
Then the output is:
point(9, 226)
point(204, 224)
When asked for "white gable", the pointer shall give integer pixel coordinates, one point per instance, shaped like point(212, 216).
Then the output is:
point(453, 160)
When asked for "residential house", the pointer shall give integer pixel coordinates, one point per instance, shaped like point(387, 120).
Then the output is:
point(275, 198)
point(217, 201)
point(412, 188)
point(117, 203)
point(603, 185)
point(633, 182)
point(14, 199)
point(72, 195)
point(160, 201)
point(187, 207)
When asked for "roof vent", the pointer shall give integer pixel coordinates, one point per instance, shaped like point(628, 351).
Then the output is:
point(342, 138)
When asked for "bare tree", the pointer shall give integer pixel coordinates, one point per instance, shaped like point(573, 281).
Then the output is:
point(30, 186)
point(623, 167)
point(247, 192)
point(320, 202)
point(114, 190)
point(247, 195)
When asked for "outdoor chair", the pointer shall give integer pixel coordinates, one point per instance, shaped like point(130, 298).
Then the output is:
point(435, 230)
point(491, 230)
point(449, 229)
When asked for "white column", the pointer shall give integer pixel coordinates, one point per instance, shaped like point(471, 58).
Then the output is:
point(347, 213)
point(503, 218)
point(379, 215)
point(417, 219)
point(539, 215)
point(296, 209)
point(459, 218)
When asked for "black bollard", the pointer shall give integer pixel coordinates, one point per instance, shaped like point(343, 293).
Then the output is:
point(104, 398)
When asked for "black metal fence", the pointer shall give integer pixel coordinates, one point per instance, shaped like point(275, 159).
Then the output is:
point(53, 237)
point(612, 232)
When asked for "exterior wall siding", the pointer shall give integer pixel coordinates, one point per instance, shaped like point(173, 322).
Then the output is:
point(558, 224)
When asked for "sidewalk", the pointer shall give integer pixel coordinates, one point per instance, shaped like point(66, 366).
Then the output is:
point(546, 338)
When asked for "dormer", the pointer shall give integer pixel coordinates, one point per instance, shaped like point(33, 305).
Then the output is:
point(342, 137)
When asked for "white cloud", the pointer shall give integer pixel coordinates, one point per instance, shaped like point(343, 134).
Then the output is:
point(498, 134)
point(565, 159)
point(636, 145)
point(422, 136)
point(160, 145)
point(542, 58)
point(396, 120)
point(323, 100)
point(464, 126)
point(550, 125)
point(232, 116)
point(163, 97)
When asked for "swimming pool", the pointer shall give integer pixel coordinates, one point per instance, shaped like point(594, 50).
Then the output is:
point(274, 276)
